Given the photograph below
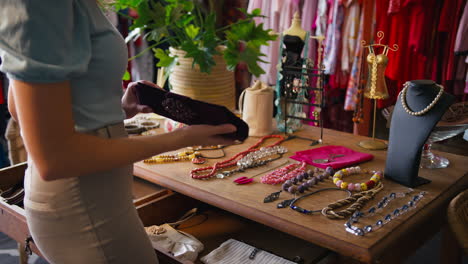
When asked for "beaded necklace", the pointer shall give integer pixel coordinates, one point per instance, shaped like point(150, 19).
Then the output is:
point(246, 180)
point(296, 185)
point(180, 156)
point(349, 227)
point(337, 179)
point(255, 159)
point(285, 173)
point(427, 108)
point(195, 173)
point(195, 157)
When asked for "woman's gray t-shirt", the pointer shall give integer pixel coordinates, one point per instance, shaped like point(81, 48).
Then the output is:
point(46, 41)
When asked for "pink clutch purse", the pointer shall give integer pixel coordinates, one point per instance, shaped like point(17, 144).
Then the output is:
point(335, 156)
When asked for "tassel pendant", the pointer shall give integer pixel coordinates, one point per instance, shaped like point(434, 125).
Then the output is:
point(285, 203)
point(243, 180)
point(272, 197)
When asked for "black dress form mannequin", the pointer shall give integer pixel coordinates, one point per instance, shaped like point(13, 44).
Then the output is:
point(292, 51)
point(408, 133)
point(291, 60)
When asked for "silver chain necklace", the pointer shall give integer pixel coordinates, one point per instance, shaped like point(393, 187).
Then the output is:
point(411, 204)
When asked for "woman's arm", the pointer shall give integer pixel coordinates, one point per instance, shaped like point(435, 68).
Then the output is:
point(46, 121)
point(11, 103)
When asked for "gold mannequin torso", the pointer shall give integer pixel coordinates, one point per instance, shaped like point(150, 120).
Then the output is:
point(376, 87)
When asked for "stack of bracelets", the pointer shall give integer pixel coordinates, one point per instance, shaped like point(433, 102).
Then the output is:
point(375, 178)
point(212, 170)
point(378, 208)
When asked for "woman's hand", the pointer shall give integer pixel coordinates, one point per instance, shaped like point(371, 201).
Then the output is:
point(130, 102)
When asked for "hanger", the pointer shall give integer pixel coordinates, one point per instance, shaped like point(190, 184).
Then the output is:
point(380, 35)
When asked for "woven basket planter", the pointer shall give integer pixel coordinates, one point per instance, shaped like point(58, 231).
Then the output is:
point(217, 87)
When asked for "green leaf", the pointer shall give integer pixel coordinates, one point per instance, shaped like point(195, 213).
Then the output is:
point(202, 57)
point(165, 60)
point(157, 34)
point(209, 39)
point(124, 4)
point(256, 12)
point(192, 31)
point(173, 14)
point(183, 24)
point(126, 76)
point(244, 41)
point(188, 6)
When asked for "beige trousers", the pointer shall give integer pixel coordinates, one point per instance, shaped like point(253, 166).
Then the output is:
point(87, 219)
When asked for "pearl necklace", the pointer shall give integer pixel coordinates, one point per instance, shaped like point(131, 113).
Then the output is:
point(427, 108)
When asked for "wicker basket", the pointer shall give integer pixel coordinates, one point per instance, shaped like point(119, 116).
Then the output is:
point(217, 87)
point(458, 218)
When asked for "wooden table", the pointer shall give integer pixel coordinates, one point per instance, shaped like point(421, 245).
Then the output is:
point(390, 244)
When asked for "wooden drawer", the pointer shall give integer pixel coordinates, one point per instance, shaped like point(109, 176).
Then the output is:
point(212, 226)
point(156, 206)
point(12, 217)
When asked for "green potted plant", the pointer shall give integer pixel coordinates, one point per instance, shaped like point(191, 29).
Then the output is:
point(202, 54)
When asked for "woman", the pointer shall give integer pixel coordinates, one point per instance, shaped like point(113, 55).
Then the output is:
point(65, 62)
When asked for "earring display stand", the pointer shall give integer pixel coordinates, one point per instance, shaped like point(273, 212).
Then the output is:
point(376, 87)
point(290, 98)
point(300, 84)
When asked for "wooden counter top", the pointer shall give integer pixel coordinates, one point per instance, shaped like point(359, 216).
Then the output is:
point(391, 243)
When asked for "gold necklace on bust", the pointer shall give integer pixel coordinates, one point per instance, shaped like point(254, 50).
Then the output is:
point(427, 108)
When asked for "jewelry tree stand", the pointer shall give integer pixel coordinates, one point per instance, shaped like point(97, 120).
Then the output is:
point(376, 87)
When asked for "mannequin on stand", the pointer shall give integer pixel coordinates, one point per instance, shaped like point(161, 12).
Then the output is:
point(419, 107)
point(294, 40)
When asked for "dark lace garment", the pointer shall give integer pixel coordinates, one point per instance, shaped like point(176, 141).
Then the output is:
point(188, 111)
point(292, 51)
point(291, 58)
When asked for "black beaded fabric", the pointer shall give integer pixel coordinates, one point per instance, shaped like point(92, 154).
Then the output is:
point(189, 111)
point(309, 212)
point(179, 110)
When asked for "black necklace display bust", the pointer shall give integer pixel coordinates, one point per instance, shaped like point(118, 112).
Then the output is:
point(419, 107)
